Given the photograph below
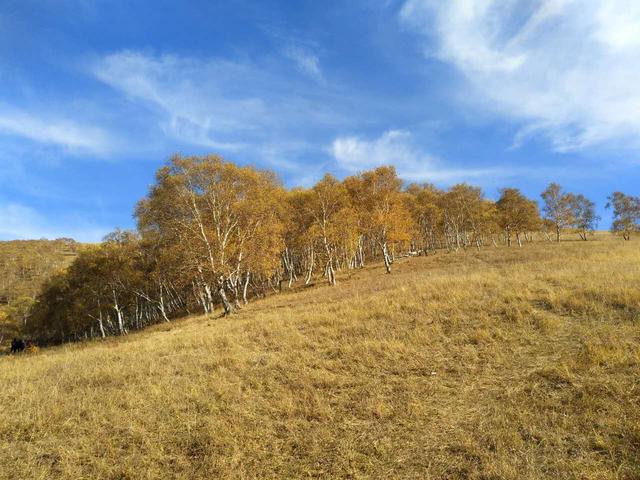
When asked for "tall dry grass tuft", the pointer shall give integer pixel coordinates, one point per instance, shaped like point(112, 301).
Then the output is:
point(500, 363)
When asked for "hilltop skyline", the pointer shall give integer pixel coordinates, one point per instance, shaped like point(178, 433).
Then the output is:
point(95, 96)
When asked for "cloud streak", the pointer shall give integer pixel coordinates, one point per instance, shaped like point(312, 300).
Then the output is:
point(566, 69)
point(198, 99)
point(71, 136)
point(221, 104)
point(396, 147)
point(306, 62)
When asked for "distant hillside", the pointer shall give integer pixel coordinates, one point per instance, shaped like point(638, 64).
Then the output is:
point(24, 266)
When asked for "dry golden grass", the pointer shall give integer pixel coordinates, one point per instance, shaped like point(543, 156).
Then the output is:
point(504, 363)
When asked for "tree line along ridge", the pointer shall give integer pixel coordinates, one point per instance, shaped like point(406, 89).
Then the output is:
point(214, 234)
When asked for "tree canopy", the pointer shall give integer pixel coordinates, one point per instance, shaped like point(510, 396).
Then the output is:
point(214, 234)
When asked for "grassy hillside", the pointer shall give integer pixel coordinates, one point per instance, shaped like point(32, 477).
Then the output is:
point(24, 267)
point(500, 363)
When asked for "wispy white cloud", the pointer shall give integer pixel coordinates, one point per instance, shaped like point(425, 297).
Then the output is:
point(306, 62)
point(23, 222)
point(392, 147)
point(567, 69)
point(232, 106)
point(396, 147)
point(69, 135)
point(199, 99)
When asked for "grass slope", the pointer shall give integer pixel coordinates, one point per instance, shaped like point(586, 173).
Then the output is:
point(24, 266)
point(503, 363)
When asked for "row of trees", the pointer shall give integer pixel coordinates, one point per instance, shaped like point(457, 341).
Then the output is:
point(211, 233)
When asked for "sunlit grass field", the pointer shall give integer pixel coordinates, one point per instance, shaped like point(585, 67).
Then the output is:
point(504, 363)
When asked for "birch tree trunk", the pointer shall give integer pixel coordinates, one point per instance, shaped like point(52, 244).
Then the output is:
point(387, 259)
point(101, 325)
point(228, 308)
point(310, 271)
point(245, 288)
point(116, 307)
point(162, 307)
point(208, 298)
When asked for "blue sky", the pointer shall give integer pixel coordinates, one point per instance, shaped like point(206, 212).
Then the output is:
point(96, 95)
